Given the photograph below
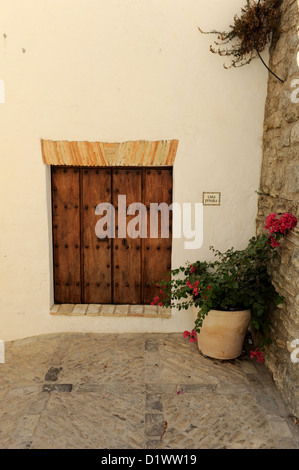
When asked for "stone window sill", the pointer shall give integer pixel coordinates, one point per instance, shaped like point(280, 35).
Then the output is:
point(97, 310)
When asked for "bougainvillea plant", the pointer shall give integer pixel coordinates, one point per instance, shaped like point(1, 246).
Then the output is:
point(257, 354)
point(250, 33)
point(236, 280)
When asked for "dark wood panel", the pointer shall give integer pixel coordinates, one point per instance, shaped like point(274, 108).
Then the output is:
point(127, 285)
point(96, 253)
point(156, 252)
point(66, 235)
point(123, 270)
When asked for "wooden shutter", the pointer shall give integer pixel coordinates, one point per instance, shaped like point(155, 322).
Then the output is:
point(156, 252)
point(96, 253)
point(127, 284)
point(120, 270)
point(66, 235)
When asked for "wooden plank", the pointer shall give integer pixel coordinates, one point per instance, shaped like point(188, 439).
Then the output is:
point(66, 235)
point(156, 252)
point(97, 271)
point(126, 250)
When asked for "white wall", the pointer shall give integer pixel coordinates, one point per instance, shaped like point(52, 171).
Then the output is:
point(119, 70)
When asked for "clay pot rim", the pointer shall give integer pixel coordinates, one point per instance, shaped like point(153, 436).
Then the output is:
point(229, 312)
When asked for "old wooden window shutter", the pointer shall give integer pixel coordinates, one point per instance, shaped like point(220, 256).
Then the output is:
point(119, 270)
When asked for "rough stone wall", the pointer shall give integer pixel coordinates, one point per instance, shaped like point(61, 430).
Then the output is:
point(280, 193)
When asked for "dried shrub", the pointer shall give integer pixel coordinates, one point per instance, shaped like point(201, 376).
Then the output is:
point(250, 33)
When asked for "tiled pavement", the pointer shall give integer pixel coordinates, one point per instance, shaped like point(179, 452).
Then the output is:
point(136, 391)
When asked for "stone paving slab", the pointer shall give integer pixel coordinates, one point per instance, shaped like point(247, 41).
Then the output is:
point(136, 391)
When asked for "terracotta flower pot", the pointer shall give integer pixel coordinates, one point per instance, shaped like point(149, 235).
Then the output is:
point(222, 333)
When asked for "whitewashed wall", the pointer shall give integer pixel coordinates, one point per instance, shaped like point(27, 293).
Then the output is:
point(118, 70)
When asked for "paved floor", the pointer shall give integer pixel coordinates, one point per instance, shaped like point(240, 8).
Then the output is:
point(138, 391)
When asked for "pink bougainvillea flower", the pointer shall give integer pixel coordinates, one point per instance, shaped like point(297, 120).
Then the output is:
point(193, 337)
point(190, 335)
point(274, 243)
point(193, 286)
point(269, 221)
point(155, 301)
point(280, 226)
point(287, 222)
point(192, 340)
point(258, 355)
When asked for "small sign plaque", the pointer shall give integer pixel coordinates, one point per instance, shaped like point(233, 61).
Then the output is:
point(211, 199)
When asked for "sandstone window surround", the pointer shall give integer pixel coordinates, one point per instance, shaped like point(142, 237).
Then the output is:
point(132, 153)
point(97, 154)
